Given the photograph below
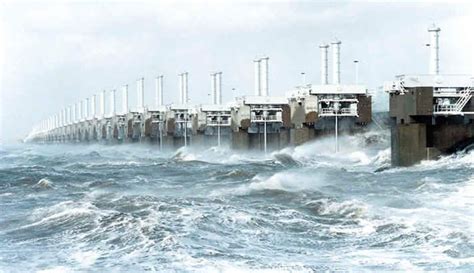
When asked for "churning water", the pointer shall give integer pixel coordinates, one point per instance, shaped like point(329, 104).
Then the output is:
point(132, 208)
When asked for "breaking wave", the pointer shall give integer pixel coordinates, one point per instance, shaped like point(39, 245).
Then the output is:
point(299, 209)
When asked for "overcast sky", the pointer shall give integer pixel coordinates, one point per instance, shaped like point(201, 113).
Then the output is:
point(53, 54)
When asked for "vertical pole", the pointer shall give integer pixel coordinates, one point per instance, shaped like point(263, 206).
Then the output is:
point(81, 108)
point(159, 90)
point(434, 46)
point(265, 131)
point(257, 76)
point(102, 104)
point(186, 130)
point(181, 99)
point(219, 131)
point(161, 135)
point(140, 95)
point(185, 88)
point(324, 63)
point(93, 108)
point(219, 87)
point(264, 76)
point(87, 108)
point(336, 58)
point(112, 102)
point(336, 132)
point(356, 68)
point(125, 99)
point(213, 88)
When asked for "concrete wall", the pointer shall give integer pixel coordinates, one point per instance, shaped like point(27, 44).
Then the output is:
point(448, 138)
point(364, 110)
point(298, 136)
point(240, 140)
point(418, 135)
point(416, 102)
point(408, 142)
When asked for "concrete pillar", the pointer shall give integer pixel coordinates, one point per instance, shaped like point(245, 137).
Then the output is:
point(69, 118)
point(434, 49)
point(213, 88)
point(324, 63)
point(125, 99)
point(93, 106)
point(140, 94)
point(61, 118)
point(218, 88)
point(408, 143)
point(159, 91)
point(112, 103)
point(81, 109)
point(336, 62)
point(264, 76)
point(74, 113)
point(185, 88)
point(86, 109)
point(180, 83)
point(257, 76)
point(102, 104)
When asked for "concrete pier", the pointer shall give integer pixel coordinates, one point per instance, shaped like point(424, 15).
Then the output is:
point(259, 123)
point(315, 108)
point(432, 114)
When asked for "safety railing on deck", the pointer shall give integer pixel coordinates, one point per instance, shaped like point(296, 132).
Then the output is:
point(465, 96)
point(217, 123)
point(269, 118)
point(342, 112)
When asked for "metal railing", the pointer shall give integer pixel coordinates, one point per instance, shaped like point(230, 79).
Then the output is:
point(465, 96)
point(269, 118)
point(342, 112)
point(216, 123)
point(445, 108)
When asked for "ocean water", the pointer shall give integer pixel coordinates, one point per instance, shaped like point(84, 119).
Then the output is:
point(131, 208)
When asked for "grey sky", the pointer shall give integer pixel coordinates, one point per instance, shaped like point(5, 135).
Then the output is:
point(53, 54)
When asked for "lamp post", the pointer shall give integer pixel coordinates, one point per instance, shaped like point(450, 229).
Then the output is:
point(219, 131)
point(303, 76)
point(356, 68)
point(265, 114)
point(336, 129)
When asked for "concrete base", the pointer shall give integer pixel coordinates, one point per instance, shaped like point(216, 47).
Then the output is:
point(414, 142)
point(300, 135)
point(408, 144)
point(240, 140)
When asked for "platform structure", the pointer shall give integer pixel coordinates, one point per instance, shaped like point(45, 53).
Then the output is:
point(263, 120)
point(260, 122)
point(329, 108)
point(316, 110)
point(155, 125)
point(214, 124)
point(181, 124)
point(432, 114)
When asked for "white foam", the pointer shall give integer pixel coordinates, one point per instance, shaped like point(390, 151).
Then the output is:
point(378, 257)
point(56, 269)
point(85, 258)
point(63, 211)
point(44, 183)
point(350, 208)
point(291, 181)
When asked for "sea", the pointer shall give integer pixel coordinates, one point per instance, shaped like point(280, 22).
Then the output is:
point(134, 208)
